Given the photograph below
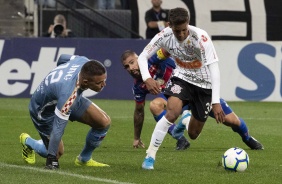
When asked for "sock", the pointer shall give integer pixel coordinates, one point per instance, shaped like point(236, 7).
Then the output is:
point(158, 136)
point(157, 118)
point(242, 130)
point(93, 141)
point(178, 130)
point(170, 129)
point(37, 145)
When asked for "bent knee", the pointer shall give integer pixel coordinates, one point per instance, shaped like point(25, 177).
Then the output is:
point(106, 122)
point(157, 106)
point(194, 135)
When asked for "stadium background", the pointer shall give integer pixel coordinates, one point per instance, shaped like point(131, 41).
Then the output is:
point(246, 33)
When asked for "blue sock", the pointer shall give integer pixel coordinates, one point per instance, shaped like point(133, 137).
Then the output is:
point(170, 129)
point(37, 145)
point(157, 118)
point(242, 130)
point(93, 140)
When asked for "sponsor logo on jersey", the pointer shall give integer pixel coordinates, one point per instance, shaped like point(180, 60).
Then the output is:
point(196, 64)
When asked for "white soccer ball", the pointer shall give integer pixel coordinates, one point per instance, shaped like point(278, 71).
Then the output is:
point(235, 159)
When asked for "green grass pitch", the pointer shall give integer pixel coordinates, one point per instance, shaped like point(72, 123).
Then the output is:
point(198, 164)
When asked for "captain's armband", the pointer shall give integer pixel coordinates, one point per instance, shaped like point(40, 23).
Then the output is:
point(162, 54)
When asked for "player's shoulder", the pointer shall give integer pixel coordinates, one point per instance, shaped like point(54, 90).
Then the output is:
point(197, 30)
point(166, 33)
point(198, 33)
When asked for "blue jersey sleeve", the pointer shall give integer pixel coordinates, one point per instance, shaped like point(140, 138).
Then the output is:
point(64, 58)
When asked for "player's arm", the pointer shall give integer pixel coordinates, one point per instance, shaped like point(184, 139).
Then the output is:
point(138, 124)
point(149, 50)
point(59, 124)
point(215, 79)
point(160, 56)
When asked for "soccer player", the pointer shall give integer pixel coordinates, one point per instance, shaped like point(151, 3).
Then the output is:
point(158, 105)
point(196, 79)
point(160, 68)
point(58, 99)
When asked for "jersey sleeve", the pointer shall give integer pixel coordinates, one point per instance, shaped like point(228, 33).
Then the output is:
point(209, 52)
point(149, 50)
point(59, 125)
point(64, 58)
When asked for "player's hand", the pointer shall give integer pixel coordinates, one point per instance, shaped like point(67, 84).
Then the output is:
point(138, 143)
point(218, 113)
point(153, 86)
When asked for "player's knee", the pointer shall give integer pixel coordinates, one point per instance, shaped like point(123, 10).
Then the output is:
point(107, 122)
point(193, 134)
point(104, 123)
point(157, 106)
point(154, 107)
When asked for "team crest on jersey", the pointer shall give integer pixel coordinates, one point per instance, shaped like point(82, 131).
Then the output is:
point(176, 89)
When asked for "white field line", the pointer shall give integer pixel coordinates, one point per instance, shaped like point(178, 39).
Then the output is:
point(126, 117)
point(63, 173)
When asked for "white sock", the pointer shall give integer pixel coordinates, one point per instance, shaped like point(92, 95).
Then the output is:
point(158, 137)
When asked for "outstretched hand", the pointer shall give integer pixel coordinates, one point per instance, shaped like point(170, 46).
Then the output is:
point(138, 143)
point(218, 113)
point(153, 86)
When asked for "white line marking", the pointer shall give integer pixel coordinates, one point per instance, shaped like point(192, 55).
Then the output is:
point(126, 117)
point(63, 173)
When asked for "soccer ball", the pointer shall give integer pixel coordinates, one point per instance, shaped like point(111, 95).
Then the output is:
point(235, 159)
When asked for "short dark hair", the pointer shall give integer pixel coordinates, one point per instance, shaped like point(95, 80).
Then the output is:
point(178, 16)
point(126, 54)
point(93, 68)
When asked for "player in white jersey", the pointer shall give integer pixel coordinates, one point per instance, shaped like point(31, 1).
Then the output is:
point(58, 99)
point(196, 78)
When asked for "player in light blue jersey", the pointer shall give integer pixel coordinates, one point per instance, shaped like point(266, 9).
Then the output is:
point(59, 99)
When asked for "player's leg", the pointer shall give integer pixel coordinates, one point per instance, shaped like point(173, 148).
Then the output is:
point(158, 109)
point(179, 128)
point(174, 107)
point(90, 114)
point(28, 153)
point(239, 126)
point(200, 105)
point(32, 146)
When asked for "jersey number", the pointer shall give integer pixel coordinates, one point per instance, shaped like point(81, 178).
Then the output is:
point(56, 74)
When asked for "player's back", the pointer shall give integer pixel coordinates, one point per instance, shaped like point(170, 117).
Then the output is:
point(58, 85)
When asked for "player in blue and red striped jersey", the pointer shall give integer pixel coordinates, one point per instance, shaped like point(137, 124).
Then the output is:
point(58, 99)
point(160, 68)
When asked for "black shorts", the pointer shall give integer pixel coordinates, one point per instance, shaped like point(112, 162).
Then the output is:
point(199, 99)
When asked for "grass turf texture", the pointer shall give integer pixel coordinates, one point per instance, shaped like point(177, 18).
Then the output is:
point(197, 164)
